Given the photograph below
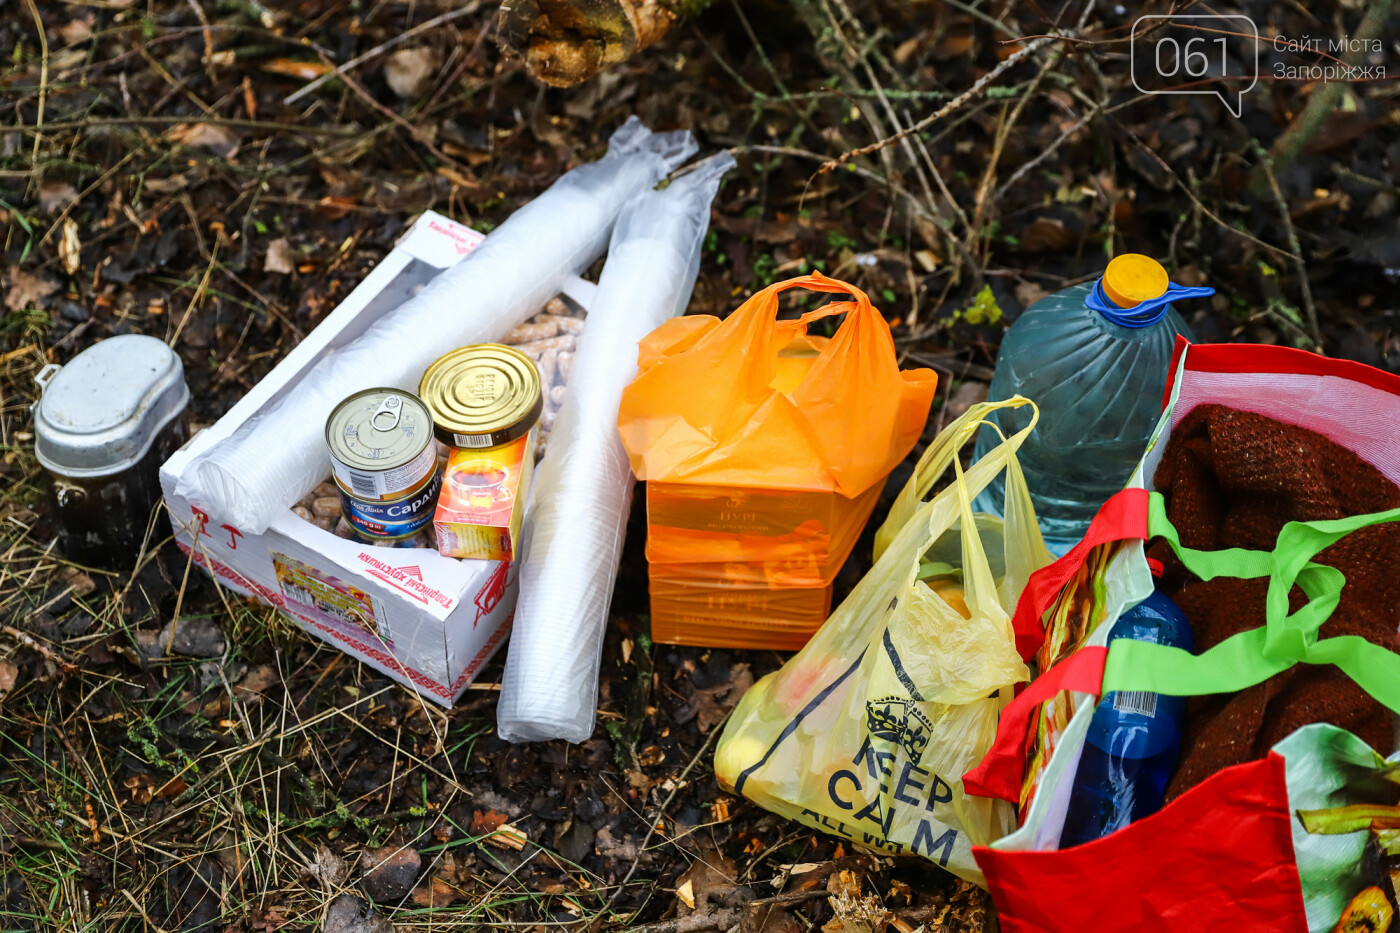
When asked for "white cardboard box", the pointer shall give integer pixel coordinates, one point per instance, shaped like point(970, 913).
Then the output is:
point(428, 621)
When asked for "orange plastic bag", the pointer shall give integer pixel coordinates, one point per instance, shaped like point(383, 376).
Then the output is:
point(710, 405)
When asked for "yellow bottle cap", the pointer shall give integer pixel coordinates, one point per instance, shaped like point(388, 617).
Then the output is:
point(1133, 278)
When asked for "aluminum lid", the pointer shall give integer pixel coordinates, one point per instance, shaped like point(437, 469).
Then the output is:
point(483, 395)
point(99, 413)
point(379, 429)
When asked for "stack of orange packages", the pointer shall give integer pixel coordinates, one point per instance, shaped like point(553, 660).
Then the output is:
point(746, 567)
point(764, 450)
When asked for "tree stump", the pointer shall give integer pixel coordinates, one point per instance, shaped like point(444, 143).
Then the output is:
point(566, 42)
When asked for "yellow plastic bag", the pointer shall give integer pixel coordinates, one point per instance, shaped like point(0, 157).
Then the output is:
point(866, 732)
point(713, 403)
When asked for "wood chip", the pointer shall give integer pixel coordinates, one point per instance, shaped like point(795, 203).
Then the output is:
point(507, 837)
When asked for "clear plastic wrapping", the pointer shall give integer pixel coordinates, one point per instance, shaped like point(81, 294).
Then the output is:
point(274, 458)
point(574, 525)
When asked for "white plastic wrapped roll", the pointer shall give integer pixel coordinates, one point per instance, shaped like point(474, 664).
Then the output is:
point(259, 471)
point(577, 514)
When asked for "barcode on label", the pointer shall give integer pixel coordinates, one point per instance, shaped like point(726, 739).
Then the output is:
point(362, 484)
point(1136, 701)
point(472, 440)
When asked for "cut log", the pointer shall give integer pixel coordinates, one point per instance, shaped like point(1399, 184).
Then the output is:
point(566, 42)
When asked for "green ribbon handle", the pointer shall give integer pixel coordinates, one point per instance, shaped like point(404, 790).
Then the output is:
point(1284, 640)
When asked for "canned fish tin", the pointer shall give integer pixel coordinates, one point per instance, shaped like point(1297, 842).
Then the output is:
point(381, 444)
point(482, 396)
point(391, 518)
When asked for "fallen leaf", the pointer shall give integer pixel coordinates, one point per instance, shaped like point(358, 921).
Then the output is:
point(484, 822)
point(407, 71)
point(306, 71)
point(28, 289)
point(70, 248)
point(171, 788)
point(391, 872)
point(195, 637)
point(9, 673)
point(82, 584)
point(140, 786)
point(967, 394)
point(1028, 293)
point(1045, 234)
point(54, 195)
point(709, 705)
point(349, 914)
point(215, 139)
point(707, 881)
point(278, 258)
point(328, 868)
point(436, 893)
point(266, 920)
point(76, 30)
point(336, 206)
point(256, 680)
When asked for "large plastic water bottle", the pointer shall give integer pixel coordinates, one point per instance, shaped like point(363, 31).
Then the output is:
point(1134, 739)
point(1094, 357)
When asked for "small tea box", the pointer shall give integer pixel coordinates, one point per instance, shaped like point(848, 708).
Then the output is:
point(483, 500)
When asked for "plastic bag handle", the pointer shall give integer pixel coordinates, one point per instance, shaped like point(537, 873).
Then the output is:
point(1240, 661)
point(935, 460)
point(766, 301)
point(1122, 518)
point(1001, 772)
point(1285, 639)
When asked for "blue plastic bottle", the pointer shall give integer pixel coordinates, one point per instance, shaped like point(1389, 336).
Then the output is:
point(1134, 739)
point(1094, 358)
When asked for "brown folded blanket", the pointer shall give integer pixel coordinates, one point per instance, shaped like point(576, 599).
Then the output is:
point(1234, 479)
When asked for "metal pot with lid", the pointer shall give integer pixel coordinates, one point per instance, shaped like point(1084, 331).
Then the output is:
point(103, 425)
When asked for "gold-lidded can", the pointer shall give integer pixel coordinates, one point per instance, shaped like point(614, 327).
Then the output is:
point(482, 396)
point(381, 444)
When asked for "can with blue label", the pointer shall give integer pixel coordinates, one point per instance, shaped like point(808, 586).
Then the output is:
point(378, 519)
point(385, 464)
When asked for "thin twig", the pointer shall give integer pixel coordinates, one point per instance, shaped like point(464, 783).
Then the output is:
point(978, 86)
point(1266, 162)
point(1043, 154)
point(381, 48)
point(999, 142)
point(414, 132)
point(43, 77)
point(651, 828)
point(728, 917)
point(1186, 189)
point(158, 120)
